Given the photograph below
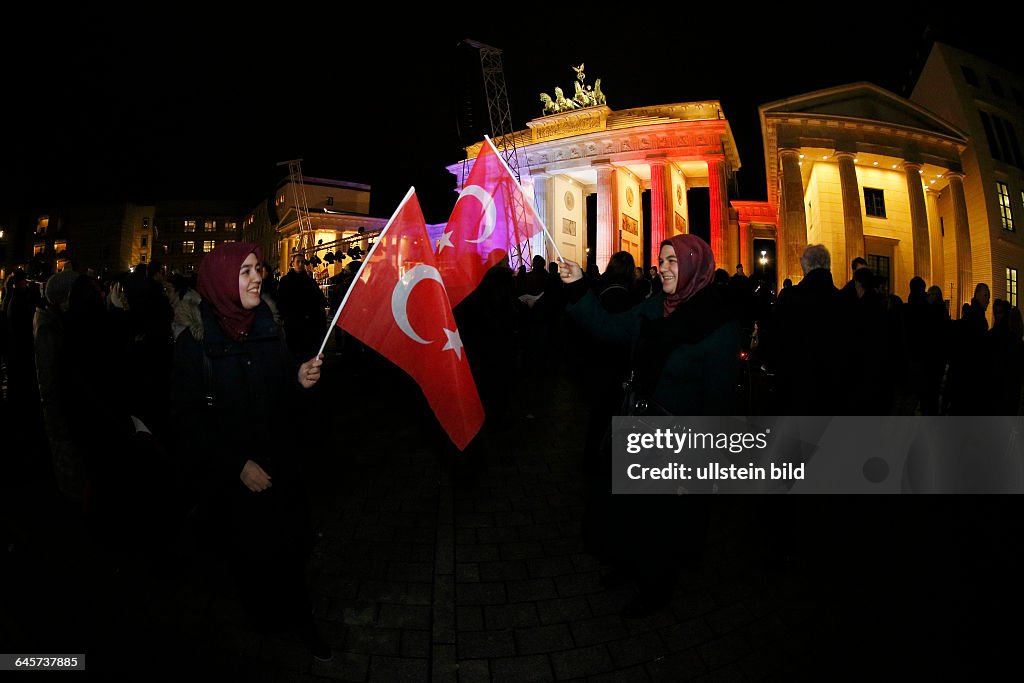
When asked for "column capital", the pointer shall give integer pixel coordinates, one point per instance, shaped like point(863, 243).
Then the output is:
point(540, 174)
point(714, 159)
point(601, 163)
point(911, 165)
point(789, 151)
point(842, 154)
point(954, 174)
point(657, 161)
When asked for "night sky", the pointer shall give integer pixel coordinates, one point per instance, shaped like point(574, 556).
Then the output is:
point(167, 104)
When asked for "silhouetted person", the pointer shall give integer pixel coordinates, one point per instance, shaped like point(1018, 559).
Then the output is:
point(302, 306)
point(969, 377)
point(1006, 364)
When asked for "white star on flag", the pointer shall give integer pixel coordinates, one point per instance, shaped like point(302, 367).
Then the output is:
point(445, 241)
point(454, 342)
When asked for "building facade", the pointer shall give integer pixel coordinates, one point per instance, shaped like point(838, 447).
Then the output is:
point(188, 230)
point(987, 103)
point(666, 150)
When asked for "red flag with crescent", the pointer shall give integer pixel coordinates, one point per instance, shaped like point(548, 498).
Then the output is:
point(398, 307)
point(491, 216)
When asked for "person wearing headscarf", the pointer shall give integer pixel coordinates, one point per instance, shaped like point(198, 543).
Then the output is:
point(234, 389)
point(686, 342)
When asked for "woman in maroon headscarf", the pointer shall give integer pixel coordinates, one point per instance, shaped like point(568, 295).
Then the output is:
point(233, 392)
point(685, 360)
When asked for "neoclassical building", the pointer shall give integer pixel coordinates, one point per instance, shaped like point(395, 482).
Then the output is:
point(617, 155)
point(868, 173)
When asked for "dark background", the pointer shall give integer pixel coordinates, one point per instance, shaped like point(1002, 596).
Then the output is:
point(168, 102)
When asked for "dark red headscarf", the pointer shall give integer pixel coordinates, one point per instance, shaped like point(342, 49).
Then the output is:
point(696, 269)
point(218, 285)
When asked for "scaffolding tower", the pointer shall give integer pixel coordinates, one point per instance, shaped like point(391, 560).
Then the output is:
point(504, 140)
point(301, 206)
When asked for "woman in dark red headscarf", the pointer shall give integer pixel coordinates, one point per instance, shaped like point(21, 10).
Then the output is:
point(234, 389)
point(685, 360)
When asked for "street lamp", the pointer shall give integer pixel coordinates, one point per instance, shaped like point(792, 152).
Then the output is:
point(764, 261)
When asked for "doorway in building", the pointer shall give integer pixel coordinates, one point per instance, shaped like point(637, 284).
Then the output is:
point(765, 265)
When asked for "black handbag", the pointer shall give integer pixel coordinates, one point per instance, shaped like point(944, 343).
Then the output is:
point(636, 402)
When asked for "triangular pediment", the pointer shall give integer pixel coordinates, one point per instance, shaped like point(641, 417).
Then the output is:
point(867, 102)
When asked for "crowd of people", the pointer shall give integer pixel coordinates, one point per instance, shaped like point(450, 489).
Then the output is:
point(202, 373)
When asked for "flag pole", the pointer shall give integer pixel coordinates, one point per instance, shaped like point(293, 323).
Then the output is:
point(380, 238)
point(513, 177)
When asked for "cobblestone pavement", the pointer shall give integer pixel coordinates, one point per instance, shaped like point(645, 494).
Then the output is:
point(435, 565)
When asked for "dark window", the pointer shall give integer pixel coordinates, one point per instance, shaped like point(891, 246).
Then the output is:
point(996, 86)
point(993, 144)
point(1002, 139)
point(969, 75)
point(1018, 96)
point(874, 202)
point(1011, 134)
point(145, 241)
point(330, 201)
point(942, 226)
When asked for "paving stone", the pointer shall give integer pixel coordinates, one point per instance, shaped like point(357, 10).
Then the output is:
point(511, 615)
point(585, 563)
point(381, 591)
point(477, 644)
point(688, 605)
point(678, 666)
point(729, 618)
point(763, 663)
point(477, 553)
point(357, 616)
point(543, 639)
point(417, 593)
point(398, 670)
point(444, 610)
point(549, 566)
point(373, 641)
point(444, 664)
point(404, 616)
point(521, 550)
point(465, 536)
point(636, 650)
point(490, 593)
point(584, 661)
point(730, 674)
point(473, 520)
point(563, 609)
point(469, 617)
point(598, 630)
point(569, 585)
point(498, 535)
point(539, 532)
point(415, 643)
point(724, 651)
point(505, 570)
point(468, 572)
point(474, 671)
point(686, 635)
point(282, 653)
point(531, 589)
point(634, 674)
point(609, 602)
point(519, 669)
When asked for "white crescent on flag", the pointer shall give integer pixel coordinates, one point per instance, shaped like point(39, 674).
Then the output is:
point(400, 297)
point(490, 213)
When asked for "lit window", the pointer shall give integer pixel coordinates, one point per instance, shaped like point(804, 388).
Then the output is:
point(188, 247)
point(190, 226)
point(145, 223)
point(60, 246)
point(227, 241)
point(208, 245)
point(144, 242)
point(874, 202)
point(1003, 196)
point(231, 225)
point(43, 224)
point(1011, 286)
point(38, 249)
point(209, 226)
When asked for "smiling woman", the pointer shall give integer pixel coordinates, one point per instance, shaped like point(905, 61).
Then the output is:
point(233, 392)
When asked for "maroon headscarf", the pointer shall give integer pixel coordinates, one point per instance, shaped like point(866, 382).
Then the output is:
point(218, 285)
point(696, 269)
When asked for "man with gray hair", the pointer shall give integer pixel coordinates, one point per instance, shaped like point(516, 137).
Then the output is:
point(811, 352)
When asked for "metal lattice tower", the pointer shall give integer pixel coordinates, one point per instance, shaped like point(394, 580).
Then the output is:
point(503, 135)
point(298, 192)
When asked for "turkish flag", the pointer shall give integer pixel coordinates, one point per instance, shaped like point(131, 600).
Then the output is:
point(491, 216)
point(398, 307)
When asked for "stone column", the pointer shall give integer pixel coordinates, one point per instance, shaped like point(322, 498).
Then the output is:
point(964, 272)
point(746, 251)
point(544, 204)
point(918, 221)
point(794, 219)
point(661, 205)
point(853, 220)
point(719, 198)
point(607, 214)
point(935, 238)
